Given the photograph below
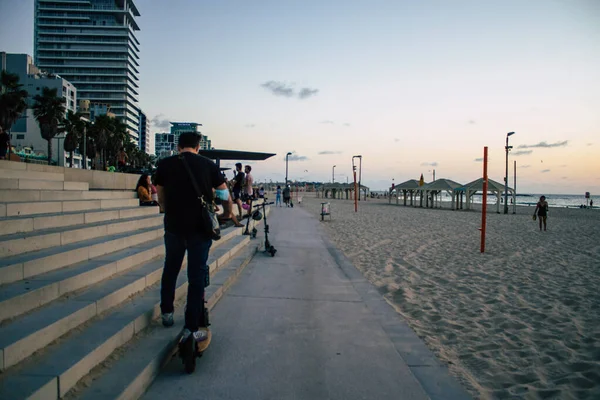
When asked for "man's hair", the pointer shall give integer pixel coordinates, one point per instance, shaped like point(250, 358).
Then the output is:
point(238, 165)
point(189, 139)
point(249, 167)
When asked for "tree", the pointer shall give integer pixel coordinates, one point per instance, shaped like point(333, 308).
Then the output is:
point(13, 100)
point(49, 111)
point(100, 132)
point(73, 125)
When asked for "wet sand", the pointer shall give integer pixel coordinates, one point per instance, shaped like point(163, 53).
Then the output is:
point(521, 320)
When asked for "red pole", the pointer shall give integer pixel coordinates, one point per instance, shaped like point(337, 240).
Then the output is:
point(484, 205)
point(355, 193)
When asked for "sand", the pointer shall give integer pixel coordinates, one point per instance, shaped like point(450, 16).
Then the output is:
point(521, 320)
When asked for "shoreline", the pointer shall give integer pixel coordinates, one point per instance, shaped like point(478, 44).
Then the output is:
point(517, 321)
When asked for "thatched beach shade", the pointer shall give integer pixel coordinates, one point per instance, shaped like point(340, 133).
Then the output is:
point(496, 188)
point(409, 186)
point(337, 190)
point(436, 187)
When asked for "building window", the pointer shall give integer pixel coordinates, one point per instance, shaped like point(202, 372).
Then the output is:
point(20, 136)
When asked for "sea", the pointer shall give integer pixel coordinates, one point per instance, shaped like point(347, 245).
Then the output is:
point(554, 200)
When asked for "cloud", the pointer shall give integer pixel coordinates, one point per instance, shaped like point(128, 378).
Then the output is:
point(346, 124)
point(545, 170)
point(525, 166)
point(283, 89)
point(471, 122)
point(160, 122)
point(305, 93)
point(250, 125)
point(327, 122)
point(590, 144)
point(295, 157)
point(432, 164)
point(396, 140)
point(563, 166)
point(278, 88)
point(478, 160)
point(544, 145)
point(564, 177)
point(325, 152)
point(522, 152)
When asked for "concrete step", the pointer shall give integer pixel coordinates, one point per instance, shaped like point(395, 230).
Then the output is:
point(22, 224)
point(51, 373)
point(32, 184)
point(20, 243)
point(10, 209)
point(34, 175)
point(24, 266)
point(138, 364)
point(13, 196)
point(20, 297)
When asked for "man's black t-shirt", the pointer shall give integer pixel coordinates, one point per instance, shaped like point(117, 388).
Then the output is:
point(182, 208)
point(239, 178)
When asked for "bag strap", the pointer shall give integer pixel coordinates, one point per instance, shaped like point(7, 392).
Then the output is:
point(193, 178)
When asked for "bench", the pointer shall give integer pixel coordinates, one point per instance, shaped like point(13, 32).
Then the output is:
point(325, 210)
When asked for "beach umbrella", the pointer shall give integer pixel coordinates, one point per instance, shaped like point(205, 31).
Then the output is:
point(421, 181)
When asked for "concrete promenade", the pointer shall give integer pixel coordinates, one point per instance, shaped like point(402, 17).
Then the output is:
point(307, 325)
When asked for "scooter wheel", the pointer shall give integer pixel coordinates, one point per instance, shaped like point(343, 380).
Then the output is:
point(273, 251)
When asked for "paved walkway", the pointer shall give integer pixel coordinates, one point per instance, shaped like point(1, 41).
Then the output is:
point(306, 324)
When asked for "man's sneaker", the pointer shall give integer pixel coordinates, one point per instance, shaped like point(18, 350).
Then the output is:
point(167, 319)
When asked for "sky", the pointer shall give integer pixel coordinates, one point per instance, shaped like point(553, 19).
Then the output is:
point(412, 86)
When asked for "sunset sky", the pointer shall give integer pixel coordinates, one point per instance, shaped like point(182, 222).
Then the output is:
point(412, 86)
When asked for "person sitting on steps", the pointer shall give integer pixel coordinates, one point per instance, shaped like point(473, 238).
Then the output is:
point(144, 190)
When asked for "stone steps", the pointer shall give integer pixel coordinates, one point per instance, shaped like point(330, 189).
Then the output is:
point(36, 184)
point(23, 336)
point(34, 222)
point(24, 266)
point(14, 196)
point(10, 209)
point(52, 372)
point(27, 174)
point(20, 243)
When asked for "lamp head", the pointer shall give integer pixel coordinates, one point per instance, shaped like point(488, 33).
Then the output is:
point(289, 153)
point(510, 134)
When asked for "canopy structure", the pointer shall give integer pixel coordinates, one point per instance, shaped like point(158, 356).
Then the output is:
point(220, 154)
point(340, 190)
point(433, 189)
point(408, 187)
point(495, 187)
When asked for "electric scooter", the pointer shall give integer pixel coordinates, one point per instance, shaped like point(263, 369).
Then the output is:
point(257, 216)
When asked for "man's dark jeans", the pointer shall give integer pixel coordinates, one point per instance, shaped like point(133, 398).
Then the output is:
point(197, 248)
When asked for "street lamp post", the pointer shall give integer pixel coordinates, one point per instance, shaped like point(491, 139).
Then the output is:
point(333, 174)
point(286, 167)
point(359, 174)
point(507, 148)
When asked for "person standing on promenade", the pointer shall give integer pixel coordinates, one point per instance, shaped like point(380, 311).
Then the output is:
point(248, 183)
point(542, 211)
point(184, 232)
point(237, 182)
point(278, 196)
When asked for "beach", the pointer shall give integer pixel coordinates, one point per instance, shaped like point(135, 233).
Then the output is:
point(521, 320)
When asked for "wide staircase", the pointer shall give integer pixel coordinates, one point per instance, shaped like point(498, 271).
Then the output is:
point(80, 269)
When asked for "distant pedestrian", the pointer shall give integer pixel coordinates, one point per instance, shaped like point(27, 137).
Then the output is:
point(278, 196)
point(237, 183)
point(542, 211)
point(122, 159)
point(286, 195)
point(591, 203)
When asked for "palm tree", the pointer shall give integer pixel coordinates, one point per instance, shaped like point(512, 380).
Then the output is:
point(49, 111)
point(12, 100)
point(100, 132)
point(74, 127)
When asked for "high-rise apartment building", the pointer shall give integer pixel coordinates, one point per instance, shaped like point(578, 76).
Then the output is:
point(166, 143)
point(92, 44)
point(146, 138)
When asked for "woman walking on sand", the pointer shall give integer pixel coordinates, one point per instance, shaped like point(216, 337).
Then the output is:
point(542, 211)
